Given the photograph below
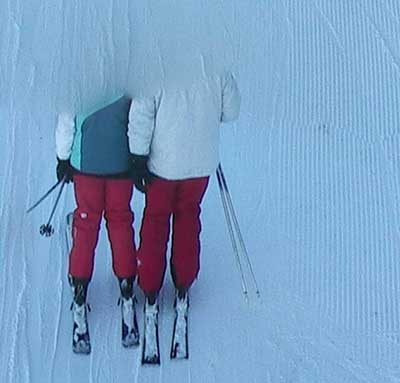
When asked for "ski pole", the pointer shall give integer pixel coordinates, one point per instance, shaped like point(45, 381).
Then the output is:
point(46, 229)
point(231, 233)
point(45, 196)
point(237, 227)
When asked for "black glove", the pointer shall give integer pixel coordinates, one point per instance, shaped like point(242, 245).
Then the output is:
point(139, 172)
point(64, 169)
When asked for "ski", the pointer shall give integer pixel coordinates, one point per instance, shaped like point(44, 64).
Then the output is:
point(180, 343)
point(80, 333)
point(68, 231)
point(130, 329)
point(151, 346)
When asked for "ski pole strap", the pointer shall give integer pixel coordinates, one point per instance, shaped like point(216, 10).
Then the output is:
point(45, 195)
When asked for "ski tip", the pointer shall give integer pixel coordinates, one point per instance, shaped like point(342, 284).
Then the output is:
point(153, 361)
point(82, 352)
point(178, 352)
point(130, 343)
point(150, 360)
point(70, 218)
point(82, 349)
point(130, 338)
point(179, 357)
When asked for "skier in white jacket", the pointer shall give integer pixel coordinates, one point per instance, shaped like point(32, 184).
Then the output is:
point(174, 138)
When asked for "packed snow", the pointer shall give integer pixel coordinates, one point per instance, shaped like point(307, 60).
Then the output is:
point(312, 164)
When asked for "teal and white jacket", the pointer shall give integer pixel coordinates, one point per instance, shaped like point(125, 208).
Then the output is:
point(96, 142)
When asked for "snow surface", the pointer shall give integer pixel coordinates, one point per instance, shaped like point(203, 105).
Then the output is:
point(313, 166)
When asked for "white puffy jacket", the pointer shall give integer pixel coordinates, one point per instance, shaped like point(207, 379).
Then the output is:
point(179, 127)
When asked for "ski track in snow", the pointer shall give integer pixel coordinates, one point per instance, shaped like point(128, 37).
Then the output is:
point(13, 253)
point(317, 195)
point(61, 249)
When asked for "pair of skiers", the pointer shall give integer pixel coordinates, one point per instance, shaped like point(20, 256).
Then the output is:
point(167, 146)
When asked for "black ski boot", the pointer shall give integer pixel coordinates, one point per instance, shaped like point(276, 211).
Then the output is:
point(130, 329)
point(79, 308)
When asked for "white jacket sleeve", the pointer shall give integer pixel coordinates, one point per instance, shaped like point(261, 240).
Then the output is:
point(141, 125)
point(65, 132)
point(230, 99)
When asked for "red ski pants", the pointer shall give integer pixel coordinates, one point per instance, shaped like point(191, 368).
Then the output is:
point(95, 196)
point(182, 200)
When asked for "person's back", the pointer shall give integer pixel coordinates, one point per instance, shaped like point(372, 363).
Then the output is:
point(182, 122)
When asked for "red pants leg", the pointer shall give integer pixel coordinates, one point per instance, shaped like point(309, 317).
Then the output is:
point(89, 195)
point(185, 258)
point(119, 219)
point(163, 197)
point(154, 235)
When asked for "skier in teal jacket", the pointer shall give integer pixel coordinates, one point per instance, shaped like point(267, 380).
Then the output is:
point(92, 150)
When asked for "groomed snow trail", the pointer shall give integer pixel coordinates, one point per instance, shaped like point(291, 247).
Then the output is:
point(312, 165)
